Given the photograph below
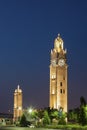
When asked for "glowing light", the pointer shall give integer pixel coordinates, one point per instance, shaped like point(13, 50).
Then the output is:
point(19, 108)
point(30, 110)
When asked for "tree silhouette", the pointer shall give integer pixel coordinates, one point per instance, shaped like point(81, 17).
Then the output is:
point(23, 121)
point(82, 101)
point(82, 114)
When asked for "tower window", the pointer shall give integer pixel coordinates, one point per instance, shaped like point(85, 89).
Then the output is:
point(64, 91)
point(61, 84)
point(60, 90)
point(53, 76)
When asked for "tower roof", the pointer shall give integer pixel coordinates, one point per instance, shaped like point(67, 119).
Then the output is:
point(59, 39)
point(18, 89)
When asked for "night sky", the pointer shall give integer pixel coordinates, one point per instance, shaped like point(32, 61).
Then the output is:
point(27, 32)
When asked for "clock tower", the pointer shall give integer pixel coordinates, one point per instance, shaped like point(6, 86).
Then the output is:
point(58, 76)
point(17, 104)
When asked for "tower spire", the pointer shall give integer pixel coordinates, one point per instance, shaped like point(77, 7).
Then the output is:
point(18, 87)
point(58, 34)
point(58, 43)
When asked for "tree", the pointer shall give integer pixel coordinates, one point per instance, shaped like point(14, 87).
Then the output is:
point(46, 119)
point(82, 116)
point(61, 117)
point(23, 121)
point(54, 114)
point(83, 111)
point(73, 115)
point(82, 101)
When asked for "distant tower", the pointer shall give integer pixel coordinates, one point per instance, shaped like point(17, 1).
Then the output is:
point(58, 76)
point(17, 103)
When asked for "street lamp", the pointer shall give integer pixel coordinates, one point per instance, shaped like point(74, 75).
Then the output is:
point(30, 110)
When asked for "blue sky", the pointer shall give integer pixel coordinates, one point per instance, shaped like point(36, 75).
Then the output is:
point(27, 32)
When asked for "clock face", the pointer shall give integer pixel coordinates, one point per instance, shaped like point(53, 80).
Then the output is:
point(61, 62)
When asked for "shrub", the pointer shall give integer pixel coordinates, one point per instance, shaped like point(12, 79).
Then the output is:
point(62, 121)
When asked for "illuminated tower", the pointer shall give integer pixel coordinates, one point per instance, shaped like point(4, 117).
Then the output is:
point(58, 76)
point(17, 103)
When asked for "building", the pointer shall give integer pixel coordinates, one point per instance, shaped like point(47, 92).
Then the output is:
point(58, 76)
point(6, 118)
point(17, 104)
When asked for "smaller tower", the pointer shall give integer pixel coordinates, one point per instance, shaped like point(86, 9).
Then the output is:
point(17, 104)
